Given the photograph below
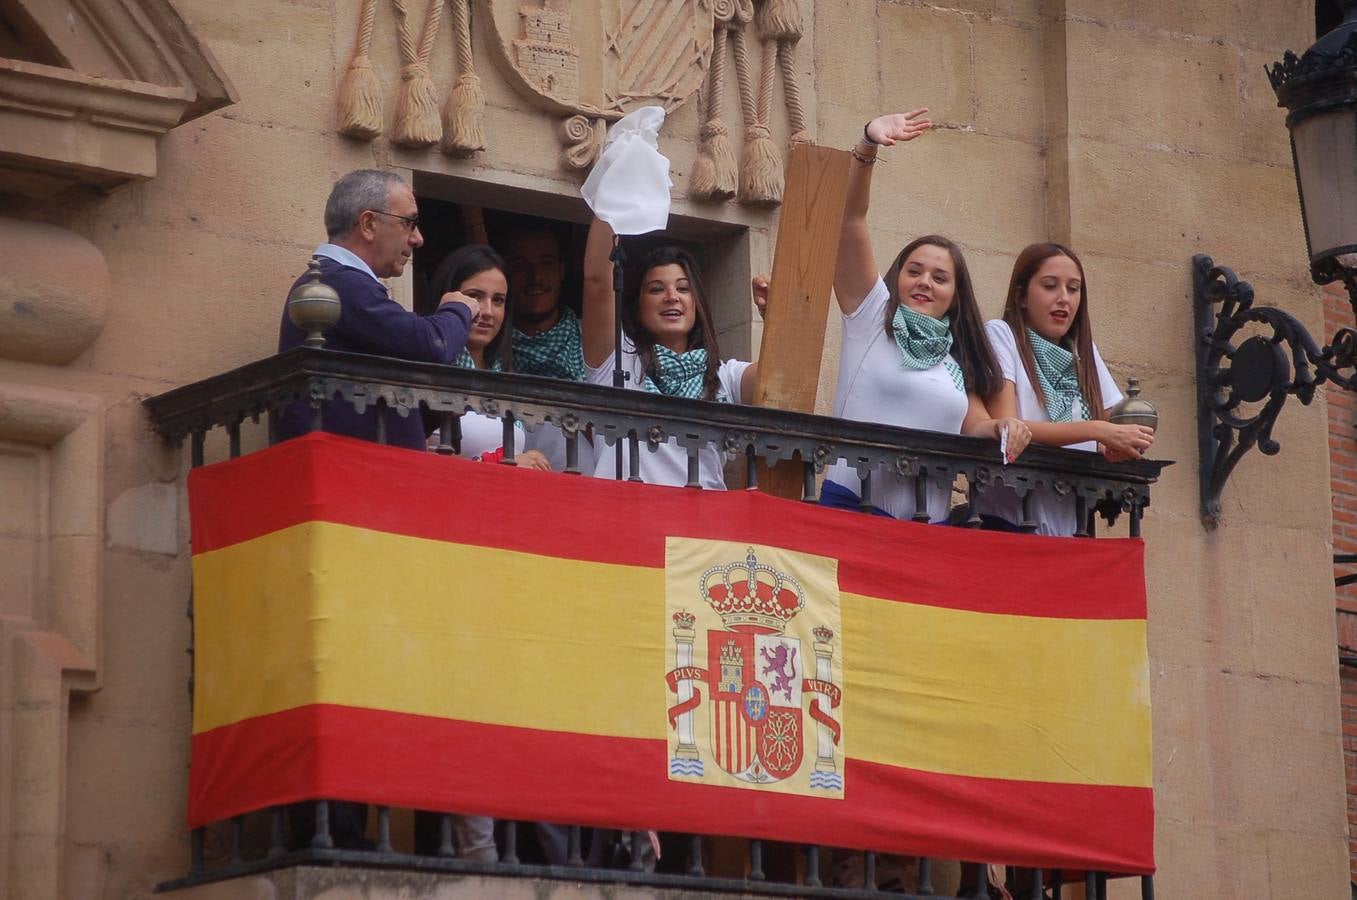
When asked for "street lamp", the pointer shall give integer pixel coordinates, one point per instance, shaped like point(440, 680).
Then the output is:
point(1319, 91)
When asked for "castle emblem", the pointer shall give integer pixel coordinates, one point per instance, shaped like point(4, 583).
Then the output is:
point(772, 699)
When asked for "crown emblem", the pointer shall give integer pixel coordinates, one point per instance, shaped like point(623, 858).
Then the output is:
point(752, 596)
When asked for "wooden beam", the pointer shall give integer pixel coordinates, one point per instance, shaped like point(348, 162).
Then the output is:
point(798, 293)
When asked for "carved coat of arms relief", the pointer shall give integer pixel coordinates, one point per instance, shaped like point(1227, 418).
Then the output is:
point(589, 62)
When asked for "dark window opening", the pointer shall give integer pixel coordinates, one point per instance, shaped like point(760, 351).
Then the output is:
point(456, 211)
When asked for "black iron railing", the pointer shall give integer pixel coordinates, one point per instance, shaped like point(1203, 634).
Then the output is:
point(255, 395)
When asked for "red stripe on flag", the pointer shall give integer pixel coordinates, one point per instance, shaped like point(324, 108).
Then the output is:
point(419, 762)
point(322, 477)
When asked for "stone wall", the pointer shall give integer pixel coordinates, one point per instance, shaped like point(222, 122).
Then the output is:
point(1139, 133)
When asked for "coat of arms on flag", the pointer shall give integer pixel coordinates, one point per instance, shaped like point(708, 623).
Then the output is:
point(754, 641)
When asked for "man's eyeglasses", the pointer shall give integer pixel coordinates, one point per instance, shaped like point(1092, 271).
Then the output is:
point(411, 222)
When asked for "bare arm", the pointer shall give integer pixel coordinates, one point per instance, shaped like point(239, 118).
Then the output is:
point(983, 421)
point(1118, 442)
point(596, 325)
point(856, 271)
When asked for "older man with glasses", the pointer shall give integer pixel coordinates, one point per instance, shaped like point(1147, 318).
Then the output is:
point(372, 225)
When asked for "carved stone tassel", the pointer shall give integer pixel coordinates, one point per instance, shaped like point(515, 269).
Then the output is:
point(761, 167)
point(714, 171)
point(462, 132)
point(780, 20)
point(417, 123)
point(359, 113)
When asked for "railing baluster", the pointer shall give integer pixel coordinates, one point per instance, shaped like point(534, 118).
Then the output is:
point(1102, 886)
point(275, 428)
point(507, 436)
point(973, 500)
point(1081, 516)
point(812, 865)
point(380, 408)
point(808, 483)
point(572, 453)
point(756, 860)
point(233, 437)
point(634, 452)
point(1146, 887)
point(445, 848)
point(195, 850)
point(751, 467)
point(920, 497)
point(1092, 523)
point(1090, 885)
point(865, 503)
point(237, 839)
point(383, 829)
point(510, 855)
point(694, 475)
point(1029, 525)
point(1038, 883)
point(1135, 519)
point(639, 840)
point(1057, 882)
point(573, 856)
point(695, 869)
point(445, 424)
point(196, 448)
point(869, 870)
point(925, 877)
point(276, 847)
point(322, 840)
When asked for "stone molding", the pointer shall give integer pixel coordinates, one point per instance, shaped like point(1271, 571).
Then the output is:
point(133, 70)
point(54, 292)
point(43, 658)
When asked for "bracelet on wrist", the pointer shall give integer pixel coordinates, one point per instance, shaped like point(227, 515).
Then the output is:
point(863, 157)
point(868, 138)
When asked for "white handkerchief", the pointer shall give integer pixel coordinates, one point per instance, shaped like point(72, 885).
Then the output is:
point(1003, 445)
point(629, 185)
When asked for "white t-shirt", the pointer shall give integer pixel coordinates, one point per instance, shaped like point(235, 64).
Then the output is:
point(1052, 513)
point(667, 463)
point(874, 387)
point(549, 441)
point(485, 434)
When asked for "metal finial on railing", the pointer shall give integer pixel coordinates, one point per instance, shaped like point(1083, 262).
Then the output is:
point(313, 306)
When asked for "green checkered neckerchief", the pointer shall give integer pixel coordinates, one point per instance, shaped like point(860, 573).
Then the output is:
point(557, 352)
point(680, 375)
point(1059, 381)
point(464, 361)
point(924, 342)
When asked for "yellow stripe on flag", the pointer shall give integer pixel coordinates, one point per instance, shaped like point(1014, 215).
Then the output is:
point(438, 627)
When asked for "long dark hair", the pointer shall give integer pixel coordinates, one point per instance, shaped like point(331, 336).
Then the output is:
point(970, 348)
point(467, 262)
point(702, 334)
point(1080, 334)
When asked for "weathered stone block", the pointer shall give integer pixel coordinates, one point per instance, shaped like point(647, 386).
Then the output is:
point(845, 32)
point(925, 56)
point(1009, 87)
point(1148, 90)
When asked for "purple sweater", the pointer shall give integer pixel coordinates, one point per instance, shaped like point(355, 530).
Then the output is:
point(371, 322)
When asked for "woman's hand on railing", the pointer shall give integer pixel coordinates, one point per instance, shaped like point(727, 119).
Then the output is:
point(888, 130)
point(1119, 443)
point(760, 288)
point(532, 459)
point(1019, 436)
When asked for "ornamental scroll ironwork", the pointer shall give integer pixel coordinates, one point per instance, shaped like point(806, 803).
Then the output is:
point(1261, 368)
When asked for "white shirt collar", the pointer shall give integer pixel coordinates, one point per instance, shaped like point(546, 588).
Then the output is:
point(348, 258)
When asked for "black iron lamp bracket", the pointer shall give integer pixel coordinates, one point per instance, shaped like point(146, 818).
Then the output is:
point(1261, 368)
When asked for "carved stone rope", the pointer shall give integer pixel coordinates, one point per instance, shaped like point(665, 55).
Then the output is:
point(359, 113)
point(715, 170)
point(417, 123)
point(462, 132)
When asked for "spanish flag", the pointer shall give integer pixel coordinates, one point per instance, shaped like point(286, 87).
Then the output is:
point(411, 630)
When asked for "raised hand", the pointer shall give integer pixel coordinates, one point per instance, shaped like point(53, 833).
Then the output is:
point(760, 288)
point(897, 127)
point(459, 297)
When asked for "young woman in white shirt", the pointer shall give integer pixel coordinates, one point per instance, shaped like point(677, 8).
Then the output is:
point(1054, 379)
point(668, 347)
point(479, 272)
point(914, 352)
